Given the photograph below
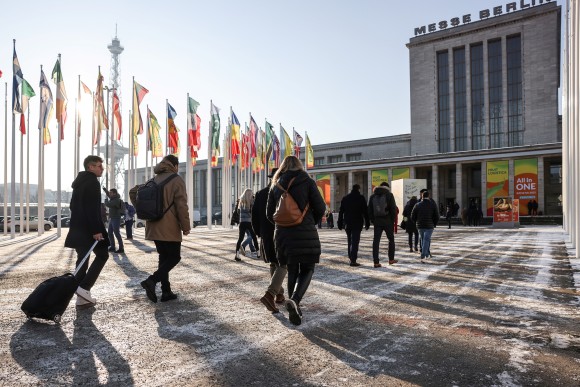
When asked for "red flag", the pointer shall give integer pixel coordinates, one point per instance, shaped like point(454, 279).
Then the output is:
point(117, 114)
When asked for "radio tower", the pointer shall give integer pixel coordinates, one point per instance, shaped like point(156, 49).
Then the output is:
point(116, 49)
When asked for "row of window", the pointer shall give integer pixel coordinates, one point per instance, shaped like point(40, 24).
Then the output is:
point(337, 159)
point(480, 130)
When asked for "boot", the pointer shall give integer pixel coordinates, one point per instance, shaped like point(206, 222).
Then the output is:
point(280, 298)
point(149, 286)
point(268, 301)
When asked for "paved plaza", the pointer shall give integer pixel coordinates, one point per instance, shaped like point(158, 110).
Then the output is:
point(491, 308)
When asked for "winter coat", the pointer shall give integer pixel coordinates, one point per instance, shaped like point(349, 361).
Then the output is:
point(245, 214)
point(353, 212)
point(425, 214)
point(388, 220)
point(169, 228)
point(297, 244)
point(410, 226)
point(85, 208)
point(114, 204)
point(262, 226)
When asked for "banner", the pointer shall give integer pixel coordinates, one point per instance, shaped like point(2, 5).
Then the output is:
point(503, 209)
point(497, 182)
point(401, 173)
point(378, 176)
point(323, 184)
point(525, 183)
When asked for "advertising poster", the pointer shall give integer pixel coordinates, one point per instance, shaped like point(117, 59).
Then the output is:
point(378, 176)
point(525, 183)
point(323, 184)
point(497, 182)
point(516, 213)
point(401, 173)
point(502, 209)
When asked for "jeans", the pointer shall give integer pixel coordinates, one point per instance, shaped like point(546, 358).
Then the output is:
point(416, 233)
point(377, 240)
point(248, 241)
point(425, 235)
point(115, 231)
point(299, 277)
point(169, 257)
point(129, 228)
point(353, 240)
point(246, 226)
point(88, 278)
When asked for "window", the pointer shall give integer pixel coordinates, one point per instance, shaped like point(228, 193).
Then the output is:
point(334, 159)
point(216, 183)
point(460, 99)
point(477, 98)
point(443, 101)
point(514, 91)
point(318, 161)
point(353, 157)
point(495, 93)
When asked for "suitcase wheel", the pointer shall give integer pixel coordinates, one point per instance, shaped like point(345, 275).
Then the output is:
point(56, 318)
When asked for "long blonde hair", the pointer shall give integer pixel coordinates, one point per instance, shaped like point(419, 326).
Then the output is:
point(246, 199)
point(290, 163)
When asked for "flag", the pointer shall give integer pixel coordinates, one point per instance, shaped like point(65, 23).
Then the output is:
point(215, 134)
point(27, 93)
point(309, 153)
point(297, 143)
point(253, 134)
point(0, 73)
point(61, 99)
point(117, 115)
point(87, 91)
point(138, 95)
point(155, 144)
point(275, 151)
point(16, 81)
point(235, 141)
point(269, 138)
point(86, 88)
point(285, 143)
point(193, 129)
point(45, 108)
point(172, 130)
point(99, 113)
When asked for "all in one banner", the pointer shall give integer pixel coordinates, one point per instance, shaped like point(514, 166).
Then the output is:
point(323, 184)
point(497, 182)
point(525, 182)
point(401, 173)
point(378, 176)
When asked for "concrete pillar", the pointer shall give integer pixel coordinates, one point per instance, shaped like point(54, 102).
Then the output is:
point(369, 183)
point(468, 94)
point(541, 188)
point(332, 188)
point(459, 191)
point(435, 183)
point(411, 172)
point(350, 181)
point(486, 141)
point(504, 82)
point(484, 187)
point(511, 171)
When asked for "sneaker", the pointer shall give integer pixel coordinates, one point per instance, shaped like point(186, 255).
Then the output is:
point(392, 261)
point(120, 251)
point(168, 296)
point(85, 294)
point(354, 264)
point(149, 286)
point(252, 255)
point(81, 303)
point(280, 298)
point(416, 249)
point(422, 260)
point(242, 251)
point(268, 301)
point(294, 313)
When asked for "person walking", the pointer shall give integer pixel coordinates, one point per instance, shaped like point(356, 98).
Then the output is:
point(425, 216)
point(410, 227)
point(167, 232)
point(352, 216)
point(115, 205)
point(449, 214)
point(265, 230)
point(245, 208)
point(382, 212)
point(129, 220)
point(86, 227)
point(296, 246)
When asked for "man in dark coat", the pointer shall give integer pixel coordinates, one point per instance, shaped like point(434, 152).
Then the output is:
point(353, 214)
point(296, 246)
point(86, 226)
point(265, 230)
point(425, 216)
point(383, 220)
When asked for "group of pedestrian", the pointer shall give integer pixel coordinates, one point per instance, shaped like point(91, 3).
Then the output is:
point(532, 207)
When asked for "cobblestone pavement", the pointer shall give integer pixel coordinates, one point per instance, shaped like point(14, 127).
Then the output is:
point(492, 307)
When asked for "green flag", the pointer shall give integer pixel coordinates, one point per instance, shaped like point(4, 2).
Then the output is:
point(215, 134)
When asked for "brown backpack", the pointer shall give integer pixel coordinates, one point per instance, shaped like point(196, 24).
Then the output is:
point(287, 211)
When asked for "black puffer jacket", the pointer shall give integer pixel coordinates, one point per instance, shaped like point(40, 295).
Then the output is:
point(261, 225)
point(297, 244)
point(425, 214)
point(85, 209)
point(353, 211)
point(388, 220)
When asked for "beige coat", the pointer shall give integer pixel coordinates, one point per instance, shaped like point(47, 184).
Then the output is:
point(170, 227)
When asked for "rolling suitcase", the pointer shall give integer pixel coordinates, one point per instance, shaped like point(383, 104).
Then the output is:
point(50, 299)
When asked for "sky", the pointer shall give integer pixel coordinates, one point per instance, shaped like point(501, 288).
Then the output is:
point(336, 69)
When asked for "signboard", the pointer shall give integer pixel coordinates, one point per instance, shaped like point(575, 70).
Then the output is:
point(516, 214)
point(525, 183)
point(401, 173)
point(378, 176)
point(503, 210)
point(497, 173)
point(323, 184)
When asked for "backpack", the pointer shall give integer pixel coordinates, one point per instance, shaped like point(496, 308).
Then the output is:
point(148, 200)
point(380, 206)
point(287, 212)
point(123, 208)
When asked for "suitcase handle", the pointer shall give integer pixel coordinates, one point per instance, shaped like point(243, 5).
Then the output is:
point(85, 258)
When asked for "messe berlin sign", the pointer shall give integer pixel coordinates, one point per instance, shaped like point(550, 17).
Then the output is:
point(483, 14)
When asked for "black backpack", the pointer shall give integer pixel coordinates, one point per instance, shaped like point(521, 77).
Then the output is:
point(380, 206)
point(149, 199)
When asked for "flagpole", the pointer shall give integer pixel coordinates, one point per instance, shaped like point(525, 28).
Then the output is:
point(28, 171)
point(113, 137)
point(208, 177)
point(166, 128)
point(5, 231)
point(147, 145)
point(21, 182)
point(305, 151)
point(13, 165)
point(77, 137)
point(39, 202)
point(58, 158)
point(188, 169)
point(131, 175)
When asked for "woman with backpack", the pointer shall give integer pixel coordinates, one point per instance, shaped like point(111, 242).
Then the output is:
point(296, 240)
point(245, 213)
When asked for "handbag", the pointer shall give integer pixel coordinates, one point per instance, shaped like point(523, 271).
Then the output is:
point(403, 224)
